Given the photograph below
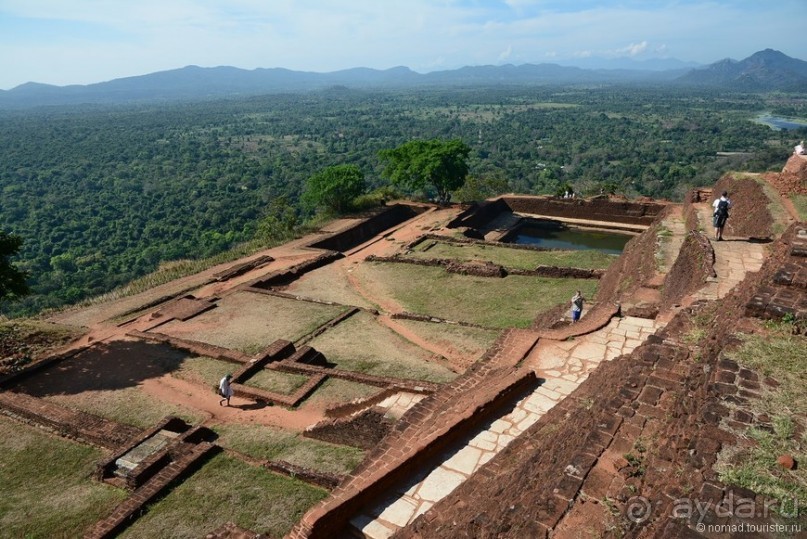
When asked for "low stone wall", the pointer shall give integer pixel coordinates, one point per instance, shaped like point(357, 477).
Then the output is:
point(368, 228)
point(261, 395)
point(134, 505)
point(240, 269)
point(695, 196)
point(472, 241)
point(415, 386)
point(194, 347)
point(593, 209)
point(106, 467)
point(785, 294)
point(312, 477)
point(286, 276)
point(277, 351)
point(479, 214)
point(489, 269)
point(65, 422)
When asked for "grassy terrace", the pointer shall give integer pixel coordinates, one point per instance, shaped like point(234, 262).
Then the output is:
point(268, 443)
point(472, 342)
point(250, 322)
point(227, 489)
point(513, 258)
point(382, 352)
point(779, 354)
point(48, 490)
point(329, 283)
point(800, 203)
point(513, 301)
point(126, 405)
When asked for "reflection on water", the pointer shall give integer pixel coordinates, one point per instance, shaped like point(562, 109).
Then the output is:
point(554, 236)
point(779, 123)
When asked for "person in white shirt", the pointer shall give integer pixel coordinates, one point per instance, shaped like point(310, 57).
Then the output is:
point(800, 149)
point(721, 214)
point(225, 389)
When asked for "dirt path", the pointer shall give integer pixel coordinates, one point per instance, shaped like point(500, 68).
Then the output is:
point(187, 394)
point(102, 321)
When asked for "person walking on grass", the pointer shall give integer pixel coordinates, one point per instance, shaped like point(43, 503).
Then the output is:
point(225, 389)
point(577, 306)
point(721, 214)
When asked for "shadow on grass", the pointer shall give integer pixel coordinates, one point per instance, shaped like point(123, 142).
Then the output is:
point(116, 365)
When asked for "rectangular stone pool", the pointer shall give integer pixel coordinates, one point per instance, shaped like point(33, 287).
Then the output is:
point(558, 235)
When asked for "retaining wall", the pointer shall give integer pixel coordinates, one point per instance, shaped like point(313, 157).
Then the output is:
point(71, 424)
point(368, 228)
point(594, 209)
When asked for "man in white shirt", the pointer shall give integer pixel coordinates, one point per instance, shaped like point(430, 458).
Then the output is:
point(800, 149)
point(225, 390)
point(721, 213)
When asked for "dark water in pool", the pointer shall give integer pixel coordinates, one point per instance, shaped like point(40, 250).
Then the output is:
point(778, 123)
point(571, 238)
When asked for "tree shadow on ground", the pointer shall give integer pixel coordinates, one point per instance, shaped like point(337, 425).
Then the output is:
point(105, 366)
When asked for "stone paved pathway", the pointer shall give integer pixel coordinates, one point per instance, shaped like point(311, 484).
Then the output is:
point(398, 404)
point(733, 259)
point(563, 364)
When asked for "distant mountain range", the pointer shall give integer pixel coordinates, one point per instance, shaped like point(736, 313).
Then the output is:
point(763, 71)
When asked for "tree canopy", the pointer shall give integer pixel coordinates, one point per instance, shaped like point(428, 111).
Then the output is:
point(12, 280)
point(334, 187)
point(443, 164)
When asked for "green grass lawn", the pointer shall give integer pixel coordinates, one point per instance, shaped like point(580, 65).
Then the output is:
point(204, 371)
point(269, 443)
point(513, 301)
point(250, 322)
point(335, 391)
point(800, 202)
point(514, 258)
point(127, 405)
point(469, 341)
point(227, 489)
point(47, 485)
point(328, 283)
point(781, 355)
point(361, 344)
point(276, 382)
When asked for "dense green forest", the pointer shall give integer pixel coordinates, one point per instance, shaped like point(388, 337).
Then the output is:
point(102, 195)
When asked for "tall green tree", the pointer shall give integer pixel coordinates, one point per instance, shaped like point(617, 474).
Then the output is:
point(12, 280)
point(334, 188)
point(443, 164)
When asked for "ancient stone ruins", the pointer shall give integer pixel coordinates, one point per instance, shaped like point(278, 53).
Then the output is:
point(441, 352)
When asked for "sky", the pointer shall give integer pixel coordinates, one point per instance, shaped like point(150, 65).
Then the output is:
point(85, 41)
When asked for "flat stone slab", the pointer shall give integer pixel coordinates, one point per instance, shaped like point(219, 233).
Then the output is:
point(142, 451)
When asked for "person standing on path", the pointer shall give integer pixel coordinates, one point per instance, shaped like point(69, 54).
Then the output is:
point(225, 389)
point(721, 214)
point(577, 306)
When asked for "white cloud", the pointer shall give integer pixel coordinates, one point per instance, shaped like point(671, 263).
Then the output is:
point(634, 49)
point(505, 54)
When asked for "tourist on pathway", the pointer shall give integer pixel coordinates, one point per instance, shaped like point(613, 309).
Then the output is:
point(225, 390)
point(577, 306)
point(721, 207)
